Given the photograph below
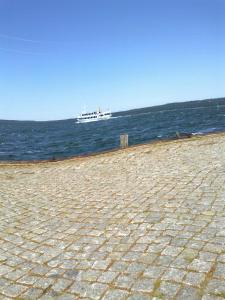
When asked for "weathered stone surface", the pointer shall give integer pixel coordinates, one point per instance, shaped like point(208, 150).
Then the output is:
point(220, 271)
point(189, 293)
point(172, 274)
point(142, 223)
point(13, 290)
point(168, 290)
point(195, 279)
point(115, 295)
point(143, 285)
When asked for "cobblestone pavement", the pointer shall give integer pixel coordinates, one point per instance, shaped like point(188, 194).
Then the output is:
point(146, 222)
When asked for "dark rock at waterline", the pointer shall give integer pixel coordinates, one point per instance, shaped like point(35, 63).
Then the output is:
point(183, 135)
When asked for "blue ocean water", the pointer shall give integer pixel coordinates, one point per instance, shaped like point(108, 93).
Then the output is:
point(30, 140)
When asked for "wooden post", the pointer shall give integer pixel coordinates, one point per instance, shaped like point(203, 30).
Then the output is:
point(123, 140)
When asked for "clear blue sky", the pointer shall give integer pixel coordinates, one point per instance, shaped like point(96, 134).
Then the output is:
point(57, 56)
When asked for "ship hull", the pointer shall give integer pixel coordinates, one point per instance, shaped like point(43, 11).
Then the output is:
point(99, 118)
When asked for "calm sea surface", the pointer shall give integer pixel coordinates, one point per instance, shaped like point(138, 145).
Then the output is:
point(28, 140)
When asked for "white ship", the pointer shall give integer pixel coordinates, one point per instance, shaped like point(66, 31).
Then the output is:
point(94, 116)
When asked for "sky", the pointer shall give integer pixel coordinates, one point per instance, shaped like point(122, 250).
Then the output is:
point(59, 56)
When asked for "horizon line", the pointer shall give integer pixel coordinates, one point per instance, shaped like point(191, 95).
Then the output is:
point(116, 112)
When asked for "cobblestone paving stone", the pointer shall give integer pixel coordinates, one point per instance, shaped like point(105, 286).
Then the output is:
point(147, 222)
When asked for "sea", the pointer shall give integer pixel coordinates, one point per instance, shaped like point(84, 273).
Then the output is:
point(53, 140)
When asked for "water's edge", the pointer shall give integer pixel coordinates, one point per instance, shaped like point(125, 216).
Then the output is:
point(58, 140)
point(112, 151)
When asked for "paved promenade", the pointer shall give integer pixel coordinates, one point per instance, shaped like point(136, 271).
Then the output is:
point(143, 223)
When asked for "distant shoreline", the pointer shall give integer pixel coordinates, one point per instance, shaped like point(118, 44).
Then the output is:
point(153, 108)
